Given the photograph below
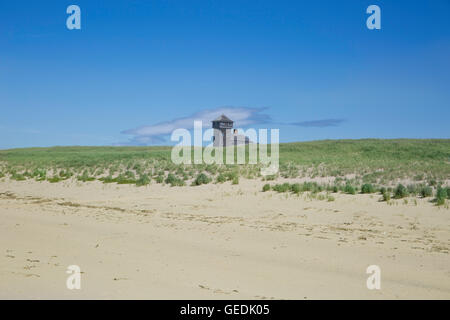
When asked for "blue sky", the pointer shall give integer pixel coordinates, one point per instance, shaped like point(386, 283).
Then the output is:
point(310, 68)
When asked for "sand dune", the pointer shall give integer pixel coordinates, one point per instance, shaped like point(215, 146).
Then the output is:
point(216, 242)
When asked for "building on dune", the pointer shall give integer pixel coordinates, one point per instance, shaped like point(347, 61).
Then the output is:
point(225, 135)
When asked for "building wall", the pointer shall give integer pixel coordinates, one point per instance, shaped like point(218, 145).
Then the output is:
point(222, 137)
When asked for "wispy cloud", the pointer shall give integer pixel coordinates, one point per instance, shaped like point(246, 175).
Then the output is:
point(158, 133)
point(319, 123)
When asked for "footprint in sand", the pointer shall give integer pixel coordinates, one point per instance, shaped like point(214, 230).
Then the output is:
point(27, 275)
point(266, 298)
point(117, 279)
point(29, 267)
point(220, 291)
point(32, 275)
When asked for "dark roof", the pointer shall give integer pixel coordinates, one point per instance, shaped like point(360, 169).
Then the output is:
point(223, 118)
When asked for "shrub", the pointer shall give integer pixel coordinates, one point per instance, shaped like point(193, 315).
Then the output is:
point(266, 187)
point(441, 195)
point(367, 188)
point(412, 189)
point(54, 179)
point(159, 179)
point(130, 175)
point(349, 189)
point(270, 177)
point(285, 187)
point(66, 174)
point(232, 175)
point(295, 188)
point(221, 178)
point(211, 168)
point(400, 192)
point(276, 187)
point(201, 179)
point(235, 180)
point(312, 186)
point(143, 180)
point(36, 173)
point(321, 197)
point(85, 177)
point(180, 183)
point(383, 190)
point(386, 196)
point(108, 179)
point(27, 174)
point(173, 180)
point(18, 176)
point(123, 179)
point(426, 191)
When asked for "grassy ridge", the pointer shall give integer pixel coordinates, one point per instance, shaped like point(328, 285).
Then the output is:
point(306, 153)
point(371, 160)
point(367, 150)
point(74, 157)
point(395, 158)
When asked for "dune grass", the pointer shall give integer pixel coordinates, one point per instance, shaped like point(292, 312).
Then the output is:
point(357, 165)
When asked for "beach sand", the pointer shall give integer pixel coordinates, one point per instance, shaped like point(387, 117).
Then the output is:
point(216, 242)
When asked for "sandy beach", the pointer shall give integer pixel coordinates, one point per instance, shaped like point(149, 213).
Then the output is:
point(216, 241)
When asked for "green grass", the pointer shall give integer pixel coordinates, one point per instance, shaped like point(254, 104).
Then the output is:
point(400, 192)
point(426, 191)
point(441, 195)
point(201, 179)
point(285, 187)
point(367, 188)
point(348, 156)
point(221, 178)
point(373, 162)
point(54, 179)
point(349, 189)
point(173, 180)
point(386, 196)
point(143, 180)
point(84, 177)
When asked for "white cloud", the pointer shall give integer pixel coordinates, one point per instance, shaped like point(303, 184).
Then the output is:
point(156, 133)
